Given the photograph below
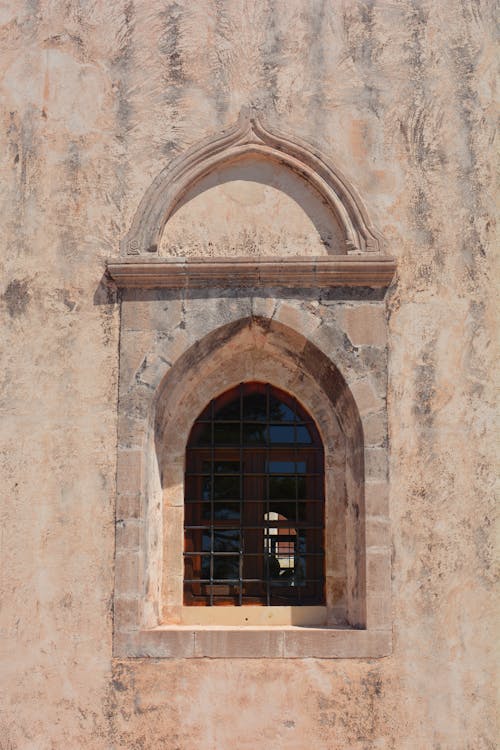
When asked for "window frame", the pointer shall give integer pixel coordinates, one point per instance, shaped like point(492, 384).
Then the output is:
point(150, 487)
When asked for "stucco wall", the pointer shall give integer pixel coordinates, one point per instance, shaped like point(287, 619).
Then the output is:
point(96, 98)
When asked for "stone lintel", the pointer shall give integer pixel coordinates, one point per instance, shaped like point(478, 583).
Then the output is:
point(365, 270)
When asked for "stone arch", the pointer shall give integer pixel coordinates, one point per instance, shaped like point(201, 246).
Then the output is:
point(256, 348)
point(250, 137)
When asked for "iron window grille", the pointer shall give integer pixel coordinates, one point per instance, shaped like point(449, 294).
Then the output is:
point(254, 502)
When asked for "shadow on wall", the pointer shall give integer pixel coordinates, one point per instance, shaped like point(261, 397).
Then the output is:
point(252, 207)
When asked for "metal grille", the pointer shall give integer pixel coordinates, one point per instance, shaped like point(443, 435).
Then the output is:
point(254, 502)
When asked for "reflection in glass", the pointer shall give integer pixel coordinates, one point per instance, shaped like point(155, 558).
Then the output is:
point(281, 433)
point(286, 467)
point(226, 540)
point(255, 434)
point(303, 435)
point(226, 511)
point(279, 411)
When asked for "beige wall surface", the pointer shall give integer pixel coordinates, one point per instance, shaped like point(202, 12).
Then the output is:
point(96, 98)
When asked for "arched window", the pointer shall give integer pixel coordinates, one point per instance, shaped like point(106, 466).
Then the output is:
point(254, 515)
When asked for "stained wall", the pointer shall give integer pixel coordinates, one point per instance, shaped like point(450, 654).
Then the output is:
point(97, 98)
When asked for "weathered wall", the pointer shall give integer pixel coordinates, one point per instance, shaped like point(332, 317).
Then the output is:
point(96, 98)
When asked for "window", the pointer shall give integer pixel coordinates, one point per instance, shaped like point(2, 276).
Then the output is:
point(254, 512)
point(257, 510)
point(184, 462)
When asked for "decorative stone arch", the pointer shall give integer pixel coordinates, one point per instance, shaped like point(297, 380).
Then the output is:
point(250, 137)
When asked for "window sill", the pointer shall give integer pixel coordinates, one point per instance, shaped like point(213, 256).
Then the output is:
point(246, 616)
point(253, 642)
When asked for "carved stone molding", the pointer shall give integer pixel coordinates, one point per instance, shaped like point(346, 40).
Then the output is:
point(368, 270)
point(249, 136)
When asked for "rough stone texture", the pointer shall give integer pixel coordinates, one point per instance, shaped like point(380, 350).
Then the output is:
point(97, 97)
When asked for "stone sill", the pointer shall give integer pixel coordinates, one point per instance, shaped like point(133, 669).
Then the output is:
point(253, 642)
point(367, 270)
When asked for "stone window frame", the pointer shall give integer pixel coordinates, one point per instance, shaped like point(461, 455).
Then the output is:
point(150, 482)
point(148, 586)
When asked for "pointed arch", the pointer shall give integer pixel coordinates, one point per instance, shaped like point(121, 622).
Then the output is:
point(250, 136)
point(260, 349)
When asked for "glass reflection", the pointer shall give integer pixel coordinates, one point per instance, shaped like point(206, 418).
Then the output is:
point(281, 433)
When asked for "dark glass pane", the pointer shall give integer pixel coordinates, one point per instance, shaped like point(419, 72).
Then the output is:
point(281, 467)
point(310, 540)
point(279, 411)
point(205, 566)
point(195, 514)
point(255, 407)
point(254, 458)
point(303, 435)
point(255, 434)
point(226, 511)
point(306, 512)
point(222, 467)
point(282, 488)
point(230, 411)
point(301, 488)
point(252, 539)
point(226, 488)
point(281, 433)
point(266, 462)
point(226, 567)
point(196, 487)
point(226, 434)
point(201, 434)
point(206, 488)
point(206, 542)
point(197, 566)
point(226, 540)
point(254, 565)
point(255, 589)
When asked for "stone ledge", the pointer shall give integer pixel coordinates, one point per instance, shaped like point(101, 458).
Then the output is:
point(367, 270)
point(247, 642)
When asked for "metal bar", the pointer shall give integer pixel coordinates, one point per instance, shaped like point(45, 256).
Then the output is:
point(212, 491)
point(242, 538)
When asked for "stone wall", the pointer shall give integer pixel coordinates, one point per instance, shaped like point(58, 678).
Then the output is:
point(99, 97)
